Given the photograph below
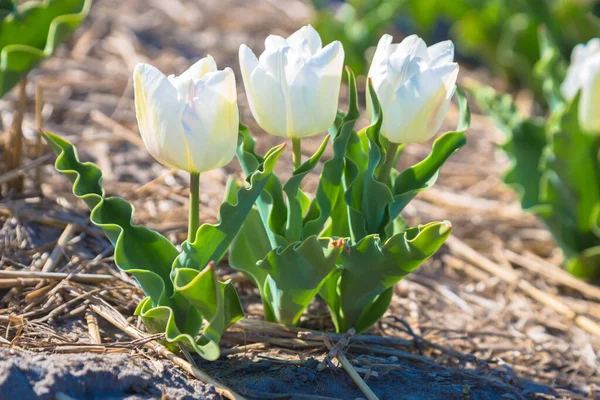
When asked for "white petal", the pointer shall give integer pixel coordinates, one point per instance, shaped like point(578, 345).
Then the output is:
point(413, 46)
point(441, 53)
point(306, 36)
point(581, 53)
point(199, 69)
point(159, 112)
point(314, 93)
point(274, 42)
point(211, 122)
point(269, 103)
point(380, 57)
point(418, 110)
point(589, 103)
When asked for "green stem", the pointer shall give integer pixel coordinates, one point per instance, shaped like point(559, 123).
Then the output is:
point(297, 153)
point(194, 219)
point(390, 157)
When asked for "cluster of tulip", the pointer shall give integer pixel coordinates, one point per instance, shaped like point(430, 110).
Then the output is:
point(348, 244)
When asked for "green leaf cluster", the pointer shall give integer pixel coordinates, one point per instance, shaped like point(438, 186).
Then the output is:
point(555, 165)
point(185, 300)
point(31, 32)
point(349, 243)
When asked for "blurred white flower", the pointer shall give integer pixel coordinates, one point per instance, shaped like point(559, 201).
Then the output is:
point(190, 121)
point(414, 84)
point(584, 75)
point(293, 87)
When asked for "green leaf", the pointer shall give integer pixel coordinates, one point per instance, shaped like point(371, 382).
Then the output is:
point(144, 253)
point(271, 203)
point(293, 226)
point(179, 307)
point(424, 174)
point(366, 197)
point(328, 201)
point(295, 274)
point(212, 241)
point(550, 70)
point(360, 294)
point(32, 32)
point(249, 247)
point(570, 189)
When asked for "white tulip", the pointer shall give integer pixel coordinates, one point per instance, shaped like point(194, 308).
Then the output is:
point(293, 87)
point(414, 84)
point(190, 121)
point(584, 75)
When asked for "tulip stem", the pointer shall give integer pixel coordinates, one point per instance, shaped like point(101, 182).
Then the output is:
point(194, 219)
point(390, 158)
point(297, 153)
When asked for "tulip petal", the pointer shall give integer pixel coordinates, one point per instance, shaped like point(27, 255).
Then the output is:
point(315, 91)
point(274, 42)
point(264, 94)
point(306, 36)
point(269, 102)
point(441, 53)
point(413, 46)
point(418, 110)
point(581, 53)
point(589, 103)
point(159, 112)
point(211, 121)
point(199, 69)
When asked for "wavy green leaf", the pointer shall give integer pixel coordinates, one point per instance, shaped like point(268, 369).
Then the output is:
point(289, 278)
point(189, 305)
point(32, 32)
point(213, 240)
point(360, 294)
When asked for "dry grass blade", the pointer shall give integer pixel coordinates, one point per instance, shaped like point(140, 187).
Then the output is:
point(55, 256)
point(114, 317)
point(511, 277)
point(83, 278)
point(20, 171)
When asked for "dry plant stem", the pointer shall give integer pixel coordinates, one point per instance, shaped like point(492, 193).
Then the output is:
point(39, 106)
point(390, 157)
point(57, 253)
point(297, 153)
point(114, 317)
point(92, 323)
point(20, 171)
point(510, 277)
point(83, 278)
point(14, 143)
point(337, 353)
point(194, 219)
point(553, 273)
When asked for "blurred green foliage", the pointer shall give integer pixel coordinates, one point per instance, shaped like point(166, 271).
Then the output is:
point(32, 31)
point(555, 164)
point(502, 34)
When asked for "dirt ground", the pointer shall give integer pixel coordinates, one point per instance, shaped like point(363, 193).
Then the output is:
point(491, 316)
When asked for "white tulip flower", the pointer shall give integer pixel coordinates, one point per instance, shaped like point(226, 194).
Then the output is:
point(414, 84)
point(293, 87)
point(190, 121)
point(584, 75)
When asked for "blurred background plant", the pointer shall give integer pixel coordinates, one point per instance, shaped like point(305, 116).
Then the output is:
point(555, 158)
point(502, 34)
point(29, 33)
